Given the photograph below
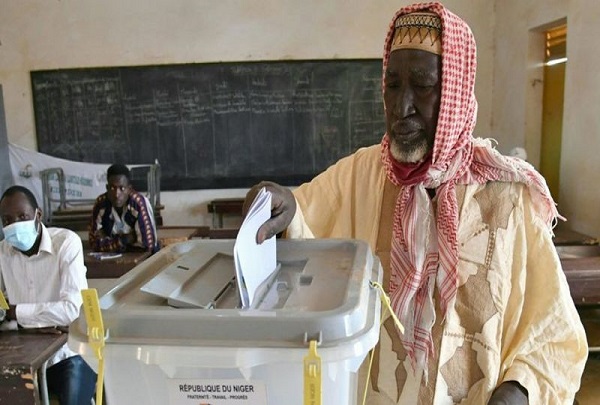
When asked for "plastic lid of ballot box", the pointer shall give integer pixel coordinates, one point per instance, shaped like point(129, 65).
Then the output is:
point(175, 333)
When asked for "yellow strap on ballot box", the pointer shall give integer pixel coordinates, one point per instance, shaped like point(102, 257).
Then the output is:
point(95, 331)
point(312, 376)
point(387, 307)
point(3, 303)
point(385, 300)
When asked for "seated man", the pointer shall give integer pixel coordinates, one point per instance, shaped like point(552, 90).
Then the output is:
point(42, 274)
point(122, 218)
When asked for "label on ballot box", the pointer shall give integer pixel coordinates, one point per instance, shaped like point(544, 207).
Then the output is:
point(216, 392)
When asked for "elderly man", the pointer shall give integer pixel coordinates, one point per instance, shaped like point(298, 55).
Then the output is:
point(42, 274)
point(463, 233)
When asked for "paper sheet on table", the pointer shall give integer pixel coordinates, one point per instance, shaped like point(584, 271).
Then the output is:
point(254, 263)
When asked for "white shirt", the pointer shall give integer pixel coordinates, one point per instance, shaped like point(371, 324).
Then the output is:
point(46, 287)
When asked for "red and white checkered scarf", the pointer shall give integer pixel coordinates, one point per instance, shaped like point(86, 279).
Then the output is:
point(424, 252)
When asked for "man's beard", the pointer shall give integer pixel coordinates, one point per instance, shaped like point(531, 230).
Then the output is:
point(409, 152)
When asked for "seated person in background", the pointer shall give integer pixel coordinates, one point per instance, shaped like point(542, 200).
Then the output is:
point(463, 233)
point(122, 218)
point(42, 274)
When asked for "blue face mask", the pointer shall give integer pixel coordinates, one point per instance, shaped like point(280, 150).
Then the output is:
point(21, 235)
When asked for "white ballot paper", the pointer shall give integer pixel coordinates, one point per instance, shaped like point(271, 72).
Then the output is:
point(254, 263)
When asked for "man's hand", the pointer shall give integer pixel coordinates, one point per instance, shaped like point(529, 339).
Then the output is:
point(129, 238)
point(509, 393)
point(283, 208)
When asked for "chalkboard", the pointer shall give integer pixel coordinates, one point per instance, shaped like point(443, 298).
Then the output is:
point(217, 125)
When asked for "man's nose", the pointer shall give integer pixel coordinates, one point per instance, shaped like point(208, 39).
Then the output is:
point(405, 105)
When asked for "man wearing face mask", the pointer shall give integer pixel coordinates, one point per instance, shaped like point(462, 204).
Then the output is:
point(42, 274)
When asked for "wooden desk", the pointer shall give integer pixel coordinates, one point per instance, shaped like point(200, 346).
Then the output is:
point(112, 268)
point(22, 354)
point(563, 235)
point(222, 206)
point(223, 233)
point(590, 317)
point(85, 238)
point(583, 276)
point(167, 235)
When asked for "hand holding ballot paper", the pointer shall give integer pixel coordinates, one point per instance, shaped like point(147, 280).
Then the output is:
point(254, 263)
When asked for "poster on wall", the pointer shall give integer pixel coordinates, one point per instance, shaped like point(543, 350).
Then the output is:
point(83, 182)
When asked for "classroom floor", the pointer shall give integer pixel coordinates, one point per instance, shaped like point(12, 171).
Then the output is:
point(589, 394)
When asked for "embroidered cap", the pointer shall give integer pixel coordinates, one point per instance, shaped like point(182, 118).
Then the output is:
point(419, 30)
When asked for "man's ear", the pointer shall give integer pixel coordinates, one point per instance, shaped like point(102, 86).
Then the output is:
point(39, 215)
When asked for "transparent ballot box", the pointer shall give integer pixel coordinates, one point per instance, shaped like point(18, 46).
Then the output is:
point(175, 333)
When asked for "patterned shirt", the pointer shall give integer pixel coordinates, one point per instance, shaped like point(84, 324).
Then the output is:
point(513, 318)
point(137, 217)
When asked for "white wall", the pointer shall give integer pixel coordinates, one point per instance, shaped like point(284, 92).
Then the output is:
point(53, 34)
point(517, 118)
point(580, 163)
point(518, 70)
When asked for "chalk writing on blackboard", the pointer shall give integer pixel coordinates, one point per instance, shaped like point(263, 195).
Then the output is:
point(216, 125)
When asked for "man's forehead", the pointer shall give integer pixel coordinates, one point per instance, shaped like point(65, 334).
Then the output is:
point(120, 179)
point(16, 201)
point(416, 61)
